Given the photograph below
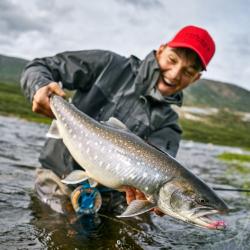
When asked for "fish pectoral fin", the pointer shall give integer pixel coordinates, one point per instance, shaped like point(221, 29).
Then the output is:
point(137, 207)
point(75, 177)
point(114, 122)
point(53, 131)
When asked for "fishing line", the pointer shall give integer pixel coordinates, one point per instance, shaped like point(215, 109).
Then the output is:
point(231, 189)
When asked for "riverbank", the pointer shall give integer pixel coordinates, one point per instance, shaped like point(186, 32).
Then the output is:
point(221, 128)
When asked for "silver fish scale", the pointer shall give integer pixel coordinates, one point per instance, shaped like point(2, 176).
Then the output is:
point(115, 157)
point(112, 156)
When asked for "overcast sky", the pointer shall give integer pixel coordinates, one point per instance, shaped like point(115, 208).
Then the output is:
point(35, 28)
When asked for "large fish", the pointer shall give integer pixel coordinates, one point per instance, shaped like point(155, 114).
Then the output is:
point(115, 157)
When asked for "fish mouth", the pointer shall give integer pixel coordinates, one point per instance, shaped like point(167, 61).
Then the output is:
point(205, 219)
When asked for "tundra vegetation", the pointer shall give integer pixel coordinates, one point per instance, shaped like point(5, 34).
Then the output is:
point(224, 127)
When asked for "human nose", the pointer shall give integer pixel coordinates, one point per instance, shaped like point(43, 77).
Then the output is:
point(174, 74)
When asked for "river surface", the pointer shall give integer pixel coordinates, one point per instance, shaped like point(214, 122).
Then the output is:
point(26, 223)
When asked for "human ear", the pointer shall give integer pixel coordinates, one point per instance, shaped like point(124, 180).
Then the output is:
point(160, 49)
point(197, 77)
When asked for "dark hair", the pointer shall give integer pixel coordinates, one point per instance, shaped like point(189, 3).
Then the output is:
point(190, 54)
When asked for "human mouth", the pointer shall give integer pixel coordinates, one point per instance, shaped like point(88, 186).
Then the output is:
point(168, 83)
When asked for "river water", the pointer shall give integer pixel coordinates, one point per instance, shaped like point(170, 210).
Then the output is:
point(26, 223)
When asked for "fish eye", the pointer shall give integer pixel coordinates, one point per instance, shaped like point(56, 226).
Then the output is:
point(202, 200)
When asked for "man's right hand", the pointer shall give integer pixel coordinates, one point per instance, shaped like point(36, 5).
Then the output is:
point(134, 194)
point(40, 102)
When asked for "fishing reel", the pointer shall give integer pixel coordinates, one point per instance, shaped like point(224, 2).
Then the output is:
point(86, 199)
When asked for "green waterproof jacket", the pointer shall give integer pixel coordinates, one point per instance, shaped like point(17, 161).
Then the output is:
point(107, 85)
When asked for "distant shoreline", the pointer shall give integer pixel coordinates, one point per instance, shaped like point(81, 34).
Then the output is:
point(223, 128)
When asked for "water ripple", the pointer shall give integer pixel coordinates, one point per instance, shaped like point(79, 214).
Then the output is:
point(26, 223)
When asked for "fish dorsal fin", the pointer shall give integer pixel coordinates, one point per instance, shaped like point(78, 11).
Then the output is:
point(53, 131)
point(114, 122)
point(137, 207)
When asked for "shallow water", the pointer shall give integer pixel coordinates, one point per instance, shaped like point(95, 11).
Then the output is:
point(26, 223)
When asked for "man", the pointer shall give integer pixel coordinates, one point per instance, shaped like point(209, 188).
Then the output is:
point(139, 93)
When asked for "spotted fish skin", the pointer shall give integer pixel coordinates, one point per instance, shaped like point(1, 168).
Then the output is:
point(114, 157)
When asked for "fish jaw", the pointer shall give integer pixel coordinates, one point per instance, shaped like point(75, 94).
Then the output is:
point(180, 201)
point(209, 223)
point(205, 219)
point(202, 219)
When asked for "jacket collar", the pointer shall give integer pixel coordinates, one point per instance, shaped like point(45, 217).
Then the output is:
point(148, 74)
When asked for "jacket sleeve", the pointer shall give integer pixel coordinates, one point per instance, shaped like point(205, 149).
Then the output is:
point(167, 138)
point(75, 70)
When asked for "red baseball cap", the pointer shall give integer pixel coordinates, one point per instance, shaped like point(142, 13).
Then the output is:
point(197, 39)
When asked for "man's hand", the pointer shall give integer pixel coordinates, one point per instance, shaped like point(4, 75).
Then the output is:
point(40, 102)
point(134, 194)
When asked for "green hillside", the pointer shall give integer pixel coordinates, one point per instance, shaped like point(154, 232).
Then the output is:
point(226, 127)
point(222, 128)
point(208, 93)
point(204, 93)
point(12, 102)
point(11, 68)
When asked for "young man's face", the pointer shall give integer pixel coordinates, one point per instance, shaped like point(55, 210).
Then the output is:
point(177, 72)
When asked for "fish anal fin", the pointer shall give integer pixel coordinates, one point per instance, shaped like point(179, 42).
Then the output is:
point(137, 207)
point(78, 176)
point(75, 177)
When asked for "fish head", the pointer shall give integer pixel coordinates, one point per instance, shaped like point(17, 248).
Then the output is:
point(192, 201)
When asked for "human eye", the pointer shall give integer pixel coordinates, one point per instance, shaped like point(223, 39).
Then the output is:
point(189, 73)
point(172, 59)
